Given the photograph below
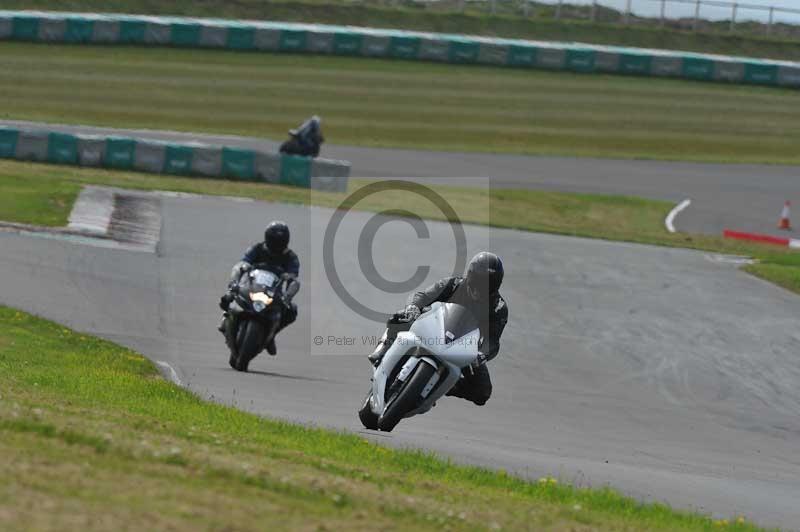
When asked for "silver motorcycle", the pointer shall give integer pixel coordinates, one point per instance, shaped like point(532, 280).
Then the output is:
point(419, 362)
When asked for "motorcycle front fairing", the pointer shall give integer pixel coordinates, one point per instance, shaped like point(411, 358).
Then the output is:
point(446, 337)
point(256, 292)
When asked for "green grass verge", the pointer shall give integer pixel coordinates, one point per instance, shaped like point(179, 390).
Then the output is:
point(36, 201)
point(418, 18)
point(786, 276)
point(91, 438)
point(620, 218)
point(782, 269)
point(372, 102)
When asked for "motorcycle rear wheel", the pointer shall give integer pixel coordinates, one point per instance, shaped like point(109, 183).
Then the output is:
point(407, 399)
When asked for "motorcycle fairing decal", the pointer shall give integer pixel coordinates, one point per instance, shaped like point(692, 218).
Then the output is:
point(408, 367)
point(431, 383)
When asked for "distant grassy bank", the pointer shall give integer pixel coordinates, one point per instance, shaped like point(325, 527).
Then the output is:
point(400, 104)
point(408, 15)
point(92, 439)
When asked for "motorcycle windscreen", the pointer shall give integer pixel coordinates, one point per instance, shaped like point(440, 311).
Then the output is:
point(458, 322)
point(263, 280)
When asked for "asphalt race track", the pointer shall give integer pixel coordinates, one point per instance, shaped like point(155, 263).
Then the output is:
point(740, 197)
point(667, 373)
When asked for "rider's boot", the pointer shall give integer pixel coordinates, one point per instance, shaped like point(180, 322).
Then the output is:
point(221, 327)
point(271, 349)
point(457, 389)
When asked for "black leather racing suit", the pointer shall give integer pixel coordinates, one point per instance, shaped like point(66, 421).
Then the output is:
point(475, 384)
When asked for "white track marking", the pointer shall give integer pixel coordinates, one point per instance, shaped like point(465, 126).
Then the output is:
point(794, 243)
point(173, 375)
point(674, 212)
point(728, 259)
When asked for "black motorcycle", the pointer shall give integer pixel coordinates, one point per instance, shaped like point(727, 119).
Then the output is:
point(306, 140)
point(254, 315)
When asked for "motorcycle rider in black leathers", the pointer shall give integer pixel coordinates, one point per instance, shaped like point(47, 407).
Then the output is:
point(305, 140)
point(272, 254)
point(479, 291)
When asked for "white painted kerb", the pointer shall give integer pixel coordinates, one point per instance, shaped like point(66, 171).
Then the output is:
point(674, 212)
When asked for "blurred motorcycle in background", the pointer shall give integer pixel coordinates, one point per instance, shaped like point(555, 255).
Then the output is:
point(305, 140)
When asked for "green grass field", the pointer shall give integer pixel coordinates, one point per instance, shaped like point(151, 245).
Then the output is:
point(408, 15)
point(42, 195)
point(93, 439)
point(400, 104)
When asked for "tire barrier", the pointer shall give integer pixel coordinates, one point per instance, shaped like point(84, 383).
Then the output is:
point(157, 157)
point(357, 41)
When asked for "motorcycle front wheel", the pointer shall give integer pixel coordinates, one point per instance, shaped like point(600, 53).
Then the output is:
point(407, 398)
point(250, 342)
point(368, 418)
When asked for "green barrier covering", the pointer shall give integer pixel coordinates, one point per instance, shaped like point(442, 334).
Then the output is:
point(761, 73)
point(241, 38)
point(522, 55)
point(404, 47)
point(120, 153)
point(25, 28)
point(131, 31)
point(238, 163)
point(62, 148)
point(347, 43)
point(8, 143)
point(374, 42)
point(698, 68)
point(293, 41)
point(295, 171)
point(185, 34)
point(580, 60)
point(464, 51)
point(79, 30)
point(150, 156)
point(178, 160)
point(634, 64)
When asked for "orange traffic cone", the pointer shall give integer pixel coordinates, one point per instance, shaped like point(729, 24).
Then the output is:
point(784, 223)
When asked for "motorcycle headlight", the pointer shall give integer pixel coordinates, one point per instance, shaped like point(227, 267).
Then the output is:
point(260, 301)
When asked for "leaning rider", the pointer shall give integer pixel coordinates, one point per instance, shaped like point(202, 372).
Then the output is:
point(478, 290)
point(309, 135)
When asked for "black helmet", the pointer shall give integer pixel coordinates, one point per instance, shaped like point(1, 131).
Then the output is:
point(276, 237)
point(484, 276)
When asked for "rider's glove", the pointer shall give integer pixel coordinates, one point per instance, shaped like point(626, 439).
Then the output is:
point(225, 301)
point(412, 312)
